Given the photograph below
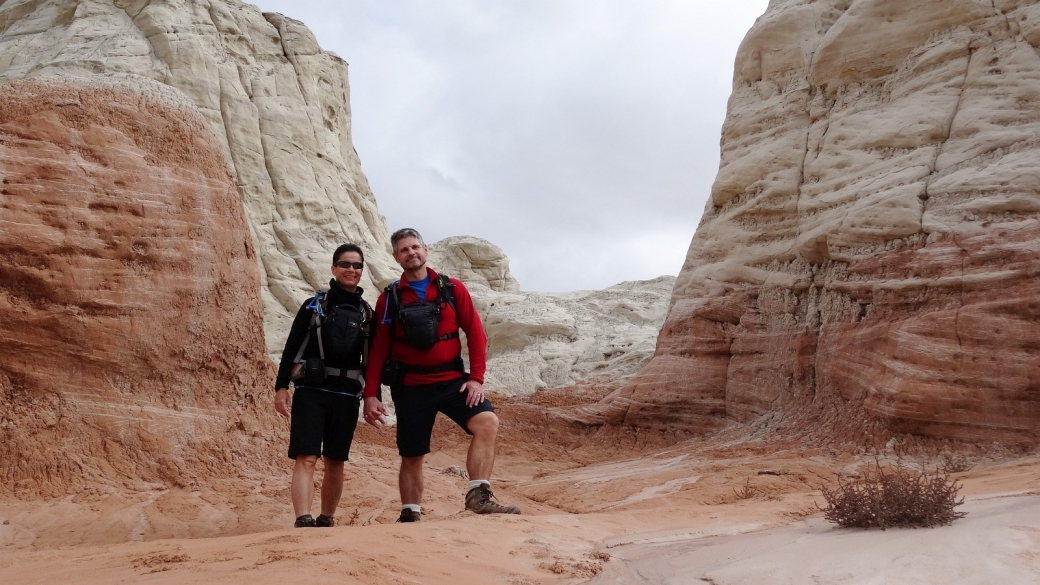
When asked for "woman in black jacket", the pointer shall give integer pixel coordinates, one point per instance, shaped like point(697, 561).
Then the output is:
point(324, 359)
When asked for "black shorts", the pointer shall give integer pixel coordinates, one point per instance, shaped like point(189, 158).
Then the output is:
point(417, 408)
point(322, 423)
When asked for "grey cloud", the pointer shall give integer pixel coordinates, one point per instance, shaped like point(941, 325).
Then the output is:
point(580, 136)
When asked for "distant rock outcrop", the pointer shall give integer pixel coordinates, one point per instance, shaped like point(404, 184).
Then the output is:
point(474, 261)
point(548, 340)
point(276, 102)
point(873, 236)
point(130, 312)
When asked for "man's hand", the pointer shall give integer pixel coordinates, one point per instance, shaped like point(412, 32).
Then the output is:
point(282, 402)
point(476, 392)
point(375, 412)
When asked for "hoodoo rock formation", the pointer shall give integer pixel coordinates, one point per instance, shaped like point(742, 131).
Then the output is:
point(129, 295)
point(276, 102)
point(873, 235)
point(474, 261)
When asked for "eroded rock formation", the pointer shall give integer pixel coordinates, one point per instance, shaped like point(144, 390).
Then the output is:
point(276, 102)
point(129, 295)
point(873, 235)
point(547, 340)
point(474, 261)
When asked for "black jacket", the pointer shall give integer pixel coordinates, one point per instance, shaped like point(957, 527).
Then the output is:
point(337, 295)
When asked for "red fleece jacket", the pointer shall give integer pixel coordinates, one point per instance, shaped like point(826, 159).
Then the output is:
point(387, 342)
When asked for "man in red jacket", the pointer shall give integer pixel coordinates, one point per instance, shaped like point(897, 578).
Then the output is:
point(417, 339)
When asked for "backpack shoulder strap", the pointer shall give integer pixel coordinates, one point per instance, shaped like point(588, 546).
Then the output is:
point(392, 303)
point(446, 290)
point(366, 311)
point(317, 305)
point(367, 314)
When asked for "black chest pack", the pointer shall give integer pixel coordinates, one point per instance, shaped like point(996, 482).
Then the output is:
point(420, 320)
point(340, 334)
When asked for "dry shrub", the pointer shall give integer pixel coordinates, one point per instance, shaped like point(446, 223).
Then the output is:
point(354, 517)
point(955, 463)
point(746, 492)
point(900, 497)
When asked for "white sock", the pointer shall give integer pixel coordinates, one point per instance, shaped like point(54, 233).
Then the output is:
point(477, 483)
point(412, 507)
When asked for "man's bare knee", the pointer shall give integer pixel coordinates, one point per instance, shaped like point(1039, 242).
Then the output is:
point(308, 461)
point(332, 465)
point(484, 424)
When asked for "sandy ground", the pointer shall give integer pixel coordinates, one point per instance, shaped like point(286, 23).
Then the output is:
point(599, 506)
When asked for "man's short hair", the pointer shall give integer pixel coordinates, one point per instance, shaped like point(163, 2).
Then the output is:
point(347, 248)
point(402, 234)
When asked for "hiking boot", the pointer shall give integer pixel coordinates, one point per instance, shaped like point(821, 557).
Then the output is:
point(408, 515)
point(305, 521)
point(479, 500)
point(323, 521)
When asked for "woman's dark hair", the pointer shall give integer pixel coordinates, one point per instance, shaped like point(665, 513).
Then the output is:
point(347, 248)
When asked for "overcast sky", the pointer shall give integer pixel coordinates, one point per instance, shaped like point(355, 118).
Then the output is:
point(580, 136)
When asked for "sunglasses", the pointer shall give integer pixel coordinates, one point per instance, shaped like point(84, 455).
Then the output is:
point(355, 265)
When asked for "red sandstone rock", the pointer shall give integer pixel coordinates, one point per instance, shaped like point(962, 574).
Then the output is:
point(131, 327)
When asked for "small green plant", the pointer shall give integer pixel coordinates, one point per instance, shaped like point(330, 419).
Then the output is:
point(899, 497)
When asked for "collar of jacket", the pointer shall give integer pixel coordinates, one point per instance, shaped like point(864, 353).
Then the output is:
point(338, 293)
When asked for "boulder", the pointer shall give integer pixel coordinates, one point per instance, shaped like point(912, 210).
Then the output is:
point(474, 261)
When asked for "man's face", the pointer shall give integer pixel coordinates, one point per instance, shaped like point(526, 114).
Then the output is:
point(410, 254)
point(347, 276)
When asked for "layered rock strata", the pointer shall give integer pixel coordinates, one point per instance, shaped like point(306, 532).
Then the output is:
point(873, 235)
point(276, 102)
point(547, 340)
point(130, 311)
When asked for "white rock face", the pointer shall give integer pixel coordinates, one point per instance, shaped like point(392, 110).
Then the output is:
point(277, 103)
point(873, 235)
point(548, 340)
point(854, 124)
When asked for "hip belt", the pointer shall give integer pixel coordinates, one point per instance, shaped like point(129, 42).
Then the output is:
point(356, 375)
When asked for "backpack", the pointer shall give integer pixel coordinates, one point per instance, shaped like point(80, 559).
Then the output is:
point(338, 329)
point(420, 320)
